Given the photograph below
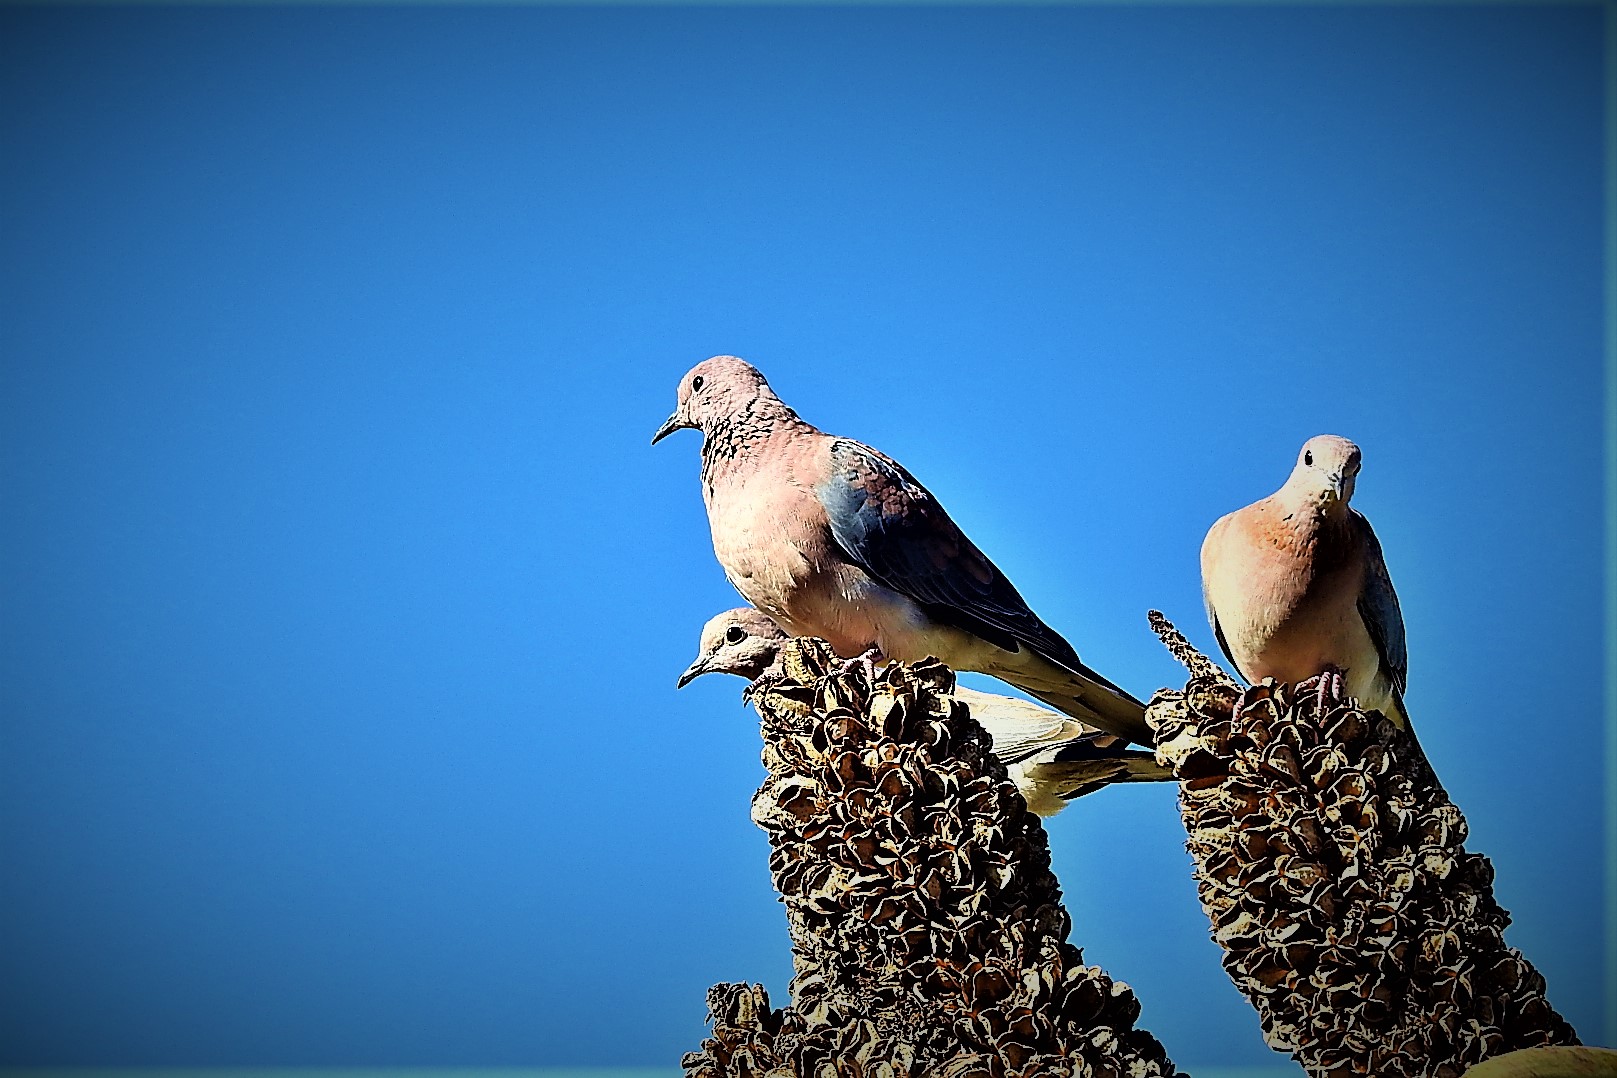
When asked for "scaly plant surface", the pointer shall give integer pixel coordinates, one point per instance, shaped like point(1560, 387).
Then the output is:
point(928, 935)
point(1332, 867)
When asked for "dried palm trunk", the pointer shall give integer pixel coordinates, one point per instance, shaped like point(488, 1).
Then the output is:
point(1332, 867)
point(927, 930)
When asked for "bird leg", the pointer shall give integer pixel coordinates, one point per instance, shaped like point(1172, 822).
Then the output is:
point(762, 684)
point(1326, 684)
point(865, 662)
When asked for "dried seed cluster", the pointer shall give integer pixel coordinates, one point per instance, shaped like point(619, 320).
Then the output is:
point(1332, 867)
point(927, 930)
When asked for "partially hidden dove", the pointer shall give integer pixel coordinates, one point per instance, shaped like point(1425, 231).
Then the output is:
point(1296, 585)
point(831, 538)
point(1051, 758)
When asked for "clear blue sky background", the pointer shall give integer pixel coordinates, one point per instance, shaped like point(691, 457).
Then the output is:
point(343, 596)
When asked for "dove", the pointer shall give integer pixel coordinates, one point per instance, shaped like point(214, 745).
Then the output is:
point(1052, 759)
point(1296, 586)
point(830, 538)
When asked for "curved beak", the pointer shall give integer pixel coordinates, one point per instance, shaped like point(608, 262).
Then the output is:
point(670, 425)
point(692, 672)
point(1338, 484)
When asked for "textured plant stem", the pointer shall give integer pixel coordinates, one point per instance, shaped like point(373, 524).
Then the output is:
point(928, 935)
point(1333, 870)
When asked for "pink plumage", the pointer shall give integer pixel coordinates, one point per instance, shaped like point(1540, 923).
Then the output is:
point(831, 538)
point(1296, 585)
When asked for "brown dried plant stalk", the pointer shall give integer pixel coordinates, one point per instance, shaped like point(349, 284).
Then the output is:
point(927, 930)
point(1333, 869)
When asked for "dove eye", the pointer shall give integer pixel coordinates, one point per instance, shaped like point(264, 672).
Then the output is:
point(735, 633)
point(1308, 458)
point(696, 384)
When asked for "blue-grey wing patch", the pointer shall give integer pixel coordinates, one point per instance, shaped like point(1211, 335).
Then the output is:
point(1218, 630)
point(1378, 606)
point(892, 527)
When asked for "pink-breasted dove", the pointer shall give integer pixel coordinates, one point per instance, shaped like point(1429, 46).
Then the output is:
point(1051, 758)
point(832, 539)
point(1296, 586)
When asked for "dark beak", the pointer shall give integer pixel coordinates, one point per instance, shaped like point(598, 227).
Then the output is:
point(670, 425)
point(692, 672)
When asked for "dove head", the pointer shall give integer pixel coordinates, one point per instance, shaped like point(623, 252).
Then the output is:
point(740, 641)
point(1326, 468)
point(717, 390)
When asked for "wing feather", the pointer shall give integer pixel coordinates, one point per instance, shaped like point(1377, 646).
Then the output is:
point(1020, 729)
point(1214, 535)
point(892, 527)
point(1378, 606)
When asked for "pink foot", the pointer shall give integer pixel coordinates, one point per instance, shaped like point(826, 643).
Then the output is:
point(761, 684)
point(866, 663)
point(1327, 684)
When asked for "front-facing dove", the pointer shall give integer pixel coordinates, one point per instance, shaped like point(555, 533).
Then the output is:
point(831, 538)
point(1051, 758)
point(1296, 585)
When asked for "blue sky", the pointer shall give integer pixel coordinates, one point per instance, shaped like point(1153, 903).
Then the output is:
point(343, 597)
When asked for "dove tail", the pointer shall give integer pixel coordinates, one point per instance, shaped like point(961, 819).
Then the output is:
point(1109, 713)
point(1081, 693)
point(1130, 765)
point(1143, 767)
point(1399, 716)
point(1066, 684)
point(1050, 784)
point(1396, 711)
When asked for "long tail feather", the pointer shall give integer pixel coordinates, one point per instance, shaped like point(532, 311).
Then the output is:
point(1100, 707)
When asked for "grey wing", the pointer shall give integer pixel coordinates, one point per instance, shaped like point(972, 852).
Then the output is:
point(892, 527)
point(1218, 632)
point(1378, 606)
point(1207, 599)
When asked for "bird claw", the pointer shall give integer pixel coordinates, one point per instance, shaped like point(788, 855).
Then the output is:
point(1325, 685)
point(865, 663)
point(760, 685)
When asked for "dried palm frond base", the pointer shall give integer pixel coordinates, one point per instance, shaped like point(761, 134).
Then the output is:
point(1332, 867)
point(927, 931)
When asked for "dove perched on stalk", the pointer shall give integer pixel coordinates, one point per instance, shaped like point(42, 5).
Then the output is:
point(1052, 759)
point(1296, 586)
point(831, 538)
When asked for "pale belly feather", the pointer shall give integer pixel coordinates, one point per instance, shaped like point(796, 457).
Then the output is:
point(1273, 630)
point(779, 554)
